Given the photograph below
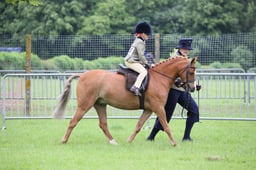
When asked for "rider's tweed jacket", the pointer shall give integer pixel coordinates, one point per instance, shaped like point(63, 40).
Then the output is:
point(136, 52)
point(174, 86)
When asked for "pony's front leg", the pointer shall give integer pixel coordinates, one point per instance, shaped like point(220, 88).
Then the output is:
point(103, 124)
point(145, 115)
point(164, 123)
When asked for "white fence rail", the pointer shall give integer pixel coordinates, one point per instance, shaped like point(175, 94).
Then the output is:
point(223, 96)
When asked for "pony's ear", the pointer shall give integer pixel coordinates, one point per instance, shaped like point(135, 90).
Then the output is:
point(193, 61)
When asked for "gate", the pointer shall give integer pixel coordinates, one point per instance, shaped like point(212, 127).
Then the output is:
point(229, 96)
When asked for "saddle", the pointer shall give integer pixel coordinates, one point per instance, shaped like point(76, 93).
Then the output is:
point(131, 77)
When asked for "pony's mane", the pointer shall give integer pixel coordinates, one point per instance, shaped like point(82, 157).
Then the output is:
point(170, 59)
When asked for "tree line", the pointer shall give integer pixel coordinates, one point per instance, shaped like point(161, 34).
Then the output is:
point(79, 17)
point(76, 27)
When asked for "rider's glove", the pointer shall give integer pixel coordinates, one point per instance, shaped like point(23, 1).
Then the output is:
point(147, 66)
point(198, 87)
point(178, 82)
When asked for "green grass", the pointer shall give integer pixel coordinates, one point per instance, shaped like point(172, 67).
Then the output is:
point(35, 144)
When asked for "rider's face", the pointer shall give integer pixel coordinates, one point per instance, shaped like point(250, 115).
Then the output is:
point(145, 36)
point(184, 51)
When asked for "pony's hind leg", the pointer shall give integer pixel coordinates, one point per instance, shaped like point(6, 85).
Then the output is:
point(145, 115)
point(103, 124)
point(72, 123)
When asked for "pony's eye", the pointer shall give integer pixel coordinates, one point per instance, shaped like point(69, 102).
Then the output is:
point(191, 73)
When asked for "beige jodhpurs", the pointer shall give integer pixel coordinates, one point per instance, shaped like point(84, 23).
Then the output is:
point(139, 69)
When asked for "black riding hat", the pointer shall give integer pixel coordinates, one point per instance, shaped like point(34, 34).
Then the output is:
point(143, 27)
point(185, 43)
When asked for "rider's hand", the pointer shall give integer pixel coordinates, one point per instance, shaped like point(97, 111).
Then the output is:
point(147, 66)
point(198, 87)
point(178, 82)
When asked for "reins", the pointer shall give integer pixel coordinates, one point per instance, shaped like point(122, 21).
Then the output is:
point(184, 69)
point(164, 75)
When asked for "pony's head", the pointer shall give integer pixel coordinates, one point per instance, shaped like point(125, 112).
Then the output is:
point(187, 75)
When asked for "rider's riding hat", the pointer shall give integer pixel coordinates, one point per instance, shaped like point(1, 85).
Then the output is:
point(185, 43)
point(143, 27)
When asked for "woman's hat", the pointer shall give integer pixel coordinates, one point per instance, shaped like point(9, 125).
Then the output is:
point(143, 27)
point(185, 43)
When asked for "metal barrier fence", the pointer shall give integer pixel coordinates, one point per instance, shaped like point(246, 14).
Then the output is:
point(223, 96)
point(220, 70)
point(3, 72)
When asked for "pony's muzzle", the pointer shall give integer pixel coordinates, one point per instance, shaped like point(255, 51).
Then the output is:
point(189, 87)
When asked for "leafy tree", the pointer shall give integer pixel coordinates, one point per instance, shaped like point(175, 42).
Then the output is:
point(47, 18)
point(109, 17)
point(247, 20)
point(193, 17)
point(32, 2)
point(95, 24)
point(211, 17)
point(168, 19)
point(163, 15)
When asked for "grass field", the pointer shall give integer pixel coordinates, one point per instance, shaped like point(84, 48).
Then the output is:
point(35, 144)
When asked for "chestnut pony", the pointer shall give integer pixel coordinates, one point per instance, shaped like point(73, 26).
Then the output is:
point(99, 88)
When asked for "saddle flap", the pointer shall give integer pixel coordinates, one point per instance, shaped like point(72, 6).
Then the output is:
point(131, 77)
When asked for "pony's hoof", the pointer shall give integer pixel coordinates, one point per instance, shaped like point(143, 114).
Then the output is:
point(113, 142)
point(129, 140)
point(174, 144)
point(63, 141)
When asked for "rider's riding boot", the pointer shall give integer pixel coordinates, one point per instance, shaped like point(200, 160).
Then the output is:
point(189, 125)
point(153, 133)
point(135, 90)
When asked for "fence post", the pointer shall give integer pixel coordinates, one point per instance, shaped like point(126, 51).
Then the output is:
point(157, 47)
point(3, 103)
point(27, 78)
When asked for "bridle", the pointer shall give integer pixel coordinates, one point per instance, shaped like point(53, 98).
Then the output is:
point(185, 84)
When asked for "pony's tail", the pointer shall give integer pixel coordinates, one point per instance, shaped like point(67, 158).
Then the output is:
point(64, 98)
